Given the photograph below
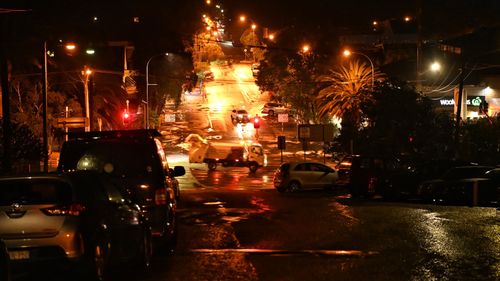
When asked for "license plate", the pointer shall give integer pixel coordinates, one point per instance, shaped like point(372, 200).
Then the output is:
point(19, 255)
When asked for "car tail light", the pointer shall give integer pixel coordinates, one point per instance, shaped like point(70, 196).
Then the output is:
point(161, 196)
point(74, 209)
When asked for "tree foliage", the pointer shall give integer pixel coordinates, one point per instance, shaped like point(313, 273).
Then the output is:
point(24, 146)
point(347, 87)
point(400, 120)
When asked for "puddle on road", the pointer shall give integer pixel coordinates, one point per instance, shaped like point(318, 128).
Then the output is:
point(220, 214)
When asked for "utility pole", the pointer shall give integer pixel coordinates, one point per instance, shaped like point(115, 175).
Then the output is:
point(44, 110)
point(419, 45)
point(459, 108)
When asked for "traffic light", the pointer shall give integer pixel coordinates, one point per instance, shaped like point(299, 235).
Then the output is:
point(126, 117)
point(256, 122)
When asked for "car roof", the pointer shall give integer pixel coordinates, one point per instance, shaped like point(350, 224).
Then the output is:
point(295, 163)
point(116, 134)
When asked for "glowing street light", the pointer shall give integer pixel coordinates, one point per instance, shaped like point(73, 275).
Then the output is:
point(243, 18)
point(70, 47)
point(86, 72)
point(435, 66)
point(306, 48)
point(254, 26)
point(348, 53)
point(271, 37)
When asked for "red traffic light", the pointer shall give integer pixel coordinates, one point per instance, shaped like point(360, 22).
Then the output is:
point(256, 122)
point(126, 117)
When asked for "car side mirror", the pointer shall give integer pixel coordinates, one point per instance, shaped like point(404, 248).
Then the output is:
point(177, 171)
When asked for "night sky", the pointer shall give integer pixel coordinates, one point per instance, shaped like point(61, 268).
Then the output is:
point(182, 16)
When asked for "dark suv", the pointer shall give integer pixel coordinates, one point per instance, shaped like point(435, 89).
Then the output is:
point(135, 160)
point(388, 176)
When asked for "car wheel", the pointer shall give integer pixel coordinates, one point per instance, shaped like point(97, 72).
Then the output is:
point(294, 186)
point(146, 250)
point(98, 268)
point(168, 242)
point(271, 112)
point(212, 165)
point(281, 188)
point(253, 167)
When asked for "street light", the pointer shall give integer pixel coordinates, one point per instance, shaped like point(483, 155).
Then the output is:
point(347, 53)
point(306, 48)
point(86, 77)
point(147, 86)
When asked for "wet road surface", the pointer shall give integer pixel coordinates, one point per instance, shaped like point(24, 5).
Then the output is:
point(229, 234)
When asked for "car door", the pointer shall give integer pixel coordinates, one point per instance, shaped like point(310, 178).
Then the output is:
point(302, 173)
point(324, 176)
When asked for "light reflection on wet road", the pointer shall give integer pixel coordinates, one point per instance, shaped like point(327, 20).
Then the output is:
point(324, 236)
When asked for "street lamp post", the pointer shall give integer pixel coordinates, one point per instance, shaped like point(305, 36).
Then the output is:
point(348, 53)
point(86, 73)
point(147, 87)
point(44, 111)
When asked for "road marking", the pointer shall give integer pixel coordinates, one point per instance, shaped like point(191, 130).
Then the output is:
point(338, 253)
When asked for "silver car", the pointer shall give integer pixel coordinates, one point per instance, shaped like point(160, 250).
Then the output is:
point(79, 218)
point(295, 176)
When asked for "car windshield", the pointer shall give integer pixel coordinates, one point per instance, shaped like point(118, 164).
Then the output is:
point(33, 192)
point(242, 112)
point(132, 158)
point(465, 173)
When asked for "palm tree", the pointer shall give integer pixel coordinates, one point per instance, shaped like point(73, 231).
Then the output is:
point(347, 88)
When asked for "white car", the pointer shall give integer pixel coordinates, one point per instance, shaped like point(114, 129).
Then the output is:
point(273, 108)
point(255, 69)
point(239, 116)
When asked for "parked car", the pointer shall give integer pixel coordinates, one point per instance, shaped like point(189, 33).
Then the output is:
point(294, 176)
point(255, 69)
point(385, 175)
point(208, 75)
point(4, 262)
point(456, 186)
point(273, 108)
point(135, 160)
point(80, 218)
point(343, 168)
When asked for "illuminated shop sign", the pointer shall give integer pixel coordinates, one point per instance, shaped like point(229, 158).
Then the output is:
point(471, 101)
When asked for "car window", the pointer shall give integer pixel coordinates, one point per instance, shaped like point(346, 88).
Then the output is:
point(284, 168)
point(113, 192)
point(34, 192)
point(465, 172)
point(302, 167)
point(257, 150)
point(319, 168)
point(133, 158)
